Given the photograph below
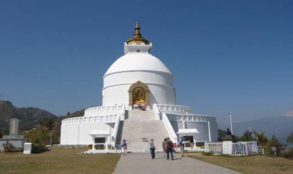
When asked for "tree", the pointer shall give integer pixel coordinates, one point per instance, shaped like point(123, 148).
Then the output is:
point(274, 143)
point(261, 138)
point(48, 124)
point(247, 136)
point(290, 138)
point(1, 133)
point(47, 132)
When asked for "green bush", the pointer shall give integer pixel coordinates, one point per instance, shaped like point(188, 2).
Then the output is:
point(39, 148)
point(274, 142)
point(288, 154)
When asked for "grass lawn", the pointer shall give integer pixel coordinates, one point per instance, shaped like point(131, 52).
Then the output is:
point(59, 161)
point(250, 164)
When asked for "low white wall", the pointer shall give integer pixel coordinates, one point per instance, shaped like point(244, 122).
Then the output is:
point(214, 147)
point(196, 121)
point(178, 109)
point(104, 110)
point(244, 148)
point(78, 133)
point(17, 143)
point(75, 130)
point(93, 119)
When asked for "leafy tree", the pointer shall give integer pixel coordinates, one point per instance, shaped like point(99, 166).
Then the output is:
point(56, 131)
point(261, 138)
point(1, 133)
point(38, 135)
point(48, 129)
point(289, 153)
point(274, 142)
point(290, 138)
point(247, 136)
point(48, 124)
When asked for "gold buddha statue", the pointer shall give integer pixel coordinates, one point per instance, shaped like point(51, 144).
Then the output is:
point(138, 96)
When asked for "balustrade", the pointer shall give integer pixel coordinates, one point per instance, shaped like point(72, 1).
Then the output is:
point(95, 119)
point(173, 108)
point(104, 110)
point(238, 149)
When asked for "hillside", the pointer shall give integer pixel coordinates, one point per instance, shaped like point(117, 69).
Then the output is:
point(29, 117)
point(281, 127)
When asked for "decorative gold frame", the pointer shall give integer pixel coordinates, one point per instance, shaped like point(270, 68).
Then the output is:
point(145, 88)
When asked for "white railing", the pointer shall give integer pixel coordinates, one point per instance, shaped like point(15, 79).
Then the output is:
point(244, 148)
point(173, 108)
point(191, 117)
point(104, 110)
point(214, 147)
point(95, 119)
point(169, 128)
point(115, 132)
point(157, 112)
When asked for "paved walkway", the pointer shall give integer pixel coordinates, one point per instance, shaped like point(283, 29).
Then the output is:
point(141, 163)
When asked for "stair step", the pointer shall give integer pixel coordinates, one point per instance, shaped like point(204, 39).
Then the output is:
point(137, 131)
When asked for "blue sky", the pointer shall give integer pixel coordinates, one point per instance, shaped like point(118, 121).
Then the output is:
point(226, 55)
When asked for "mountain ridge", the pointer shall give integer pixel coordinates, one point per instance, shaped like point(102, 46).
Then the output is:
point(280, 126)
point(29, 117)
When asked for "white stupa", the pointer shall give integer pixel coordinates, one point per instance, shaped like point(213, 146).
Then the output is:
point(139, 103)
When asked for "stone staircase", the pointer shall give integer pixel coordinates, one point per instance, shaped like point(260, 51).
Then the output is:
point(140, 127)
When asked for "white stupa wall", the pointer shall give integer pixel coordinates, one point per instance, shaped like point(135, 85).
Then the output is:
point(200, 122)
point(77, 133)
point(116, 87)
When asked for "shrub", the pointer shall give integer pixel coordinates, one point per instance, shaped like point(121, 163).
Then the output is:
point(288, 154)
point(39, 148)
point(8, 147)
point(274, 142)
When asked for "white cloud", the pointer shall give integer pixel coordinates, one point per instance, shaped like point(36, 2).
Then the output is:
point(289, 114)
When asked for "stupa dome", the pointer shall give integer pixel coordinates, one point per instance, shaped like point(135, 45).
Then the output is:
point(137, 62)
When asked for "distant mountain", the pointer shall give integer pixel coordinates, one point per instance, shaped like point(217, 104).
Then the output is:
point(29, 117)
point(281, 127)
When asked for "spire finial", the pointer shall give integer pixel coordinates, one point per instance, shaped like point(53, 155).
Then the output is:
point(137, 37)
point(137, 33)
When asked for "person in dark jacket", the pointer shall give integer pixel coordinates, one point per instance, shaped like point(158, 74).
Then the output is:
point(170, 149)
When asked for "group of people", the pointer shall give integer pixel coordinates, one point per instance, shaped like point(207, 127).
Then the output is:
point(167, 145)
point(168, 148)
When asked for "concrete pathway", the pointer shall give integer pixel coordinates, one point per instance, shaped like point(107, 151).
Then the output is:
point(141, 163)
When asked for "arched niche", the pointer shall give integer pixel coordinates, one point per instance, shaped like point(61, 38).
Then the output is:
point(139, 94)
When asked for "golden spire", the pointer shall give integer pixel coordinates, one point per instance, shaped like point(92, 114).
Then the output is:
point(137, 38)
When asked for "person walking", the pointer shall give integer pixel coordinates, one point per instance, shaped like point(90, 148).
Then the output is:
point(124, 146)
point(164, 146)
point(170, 149)
point(181, 146)
point(152, 148)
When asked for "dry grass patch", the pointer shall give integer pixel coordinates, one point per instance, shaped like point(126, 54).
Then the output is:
point(61, 161)
point(250, 164)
